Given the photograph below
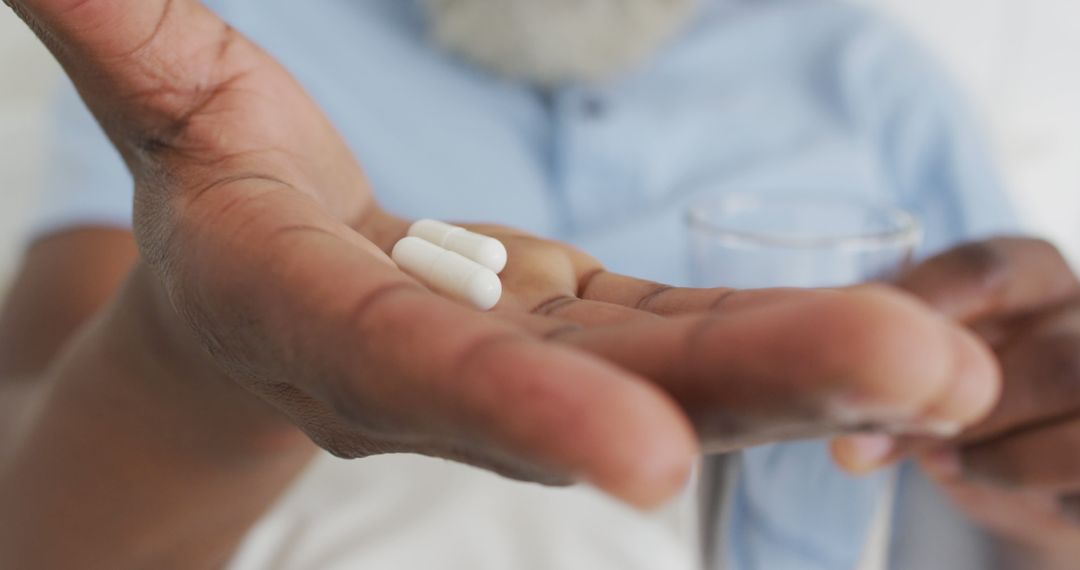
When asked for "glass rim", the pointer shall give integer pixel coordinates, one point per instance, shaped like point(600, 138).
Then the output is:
point(907, 231)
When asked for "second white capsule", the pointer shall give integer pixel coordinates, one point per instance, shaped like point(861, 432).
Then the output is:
point(485, 250)
point(448, 272)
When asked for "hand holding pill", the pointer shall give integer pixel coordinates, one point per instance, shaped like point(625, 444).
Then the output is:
point(586, 374)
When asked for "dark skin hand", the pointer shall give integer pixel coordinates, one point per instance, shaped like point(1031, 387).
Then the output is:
point(1017, 473)
point(263, 314)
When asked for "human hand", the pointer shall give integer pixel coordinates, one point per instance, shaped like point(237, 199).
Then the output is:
point(1018, 472)
point(257, 224)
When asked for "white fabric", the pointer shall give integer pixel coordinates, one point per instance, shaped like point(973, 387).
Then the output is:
point(879, 537)
point(406, 512)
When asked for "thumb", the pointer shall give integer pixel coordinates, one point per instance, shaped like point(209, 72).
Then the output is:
point(98, 29)
point(140, 65)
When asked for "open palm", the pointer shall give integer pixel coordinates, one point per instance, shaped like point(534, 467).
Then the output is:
point(257, 220)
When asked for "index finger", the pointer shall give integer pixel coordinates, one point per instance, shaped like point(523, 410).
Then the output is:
point(817, 362)
point(1001, 277)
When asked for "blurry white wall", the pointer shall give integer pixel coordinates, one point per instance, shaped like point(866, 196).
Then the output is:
point(1018, 60)
point(27, 72)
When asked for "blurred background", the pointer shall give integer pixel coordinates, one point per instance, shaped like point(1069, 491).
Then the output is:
point(1017, 60)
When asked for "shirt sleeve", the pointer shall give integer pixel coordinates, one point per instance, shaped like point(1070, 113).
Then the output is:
point(932, 152)
point(86, 183)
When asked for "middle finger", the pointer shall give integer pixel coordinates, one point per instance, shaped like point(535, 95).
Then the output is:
point(810, 365)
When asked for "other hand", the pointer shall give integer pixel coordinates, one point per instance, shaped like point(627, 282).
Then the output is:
point(1018, 472)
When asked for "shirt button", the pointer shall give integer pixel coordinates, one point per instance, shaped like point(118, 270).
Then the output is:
point(593, 107)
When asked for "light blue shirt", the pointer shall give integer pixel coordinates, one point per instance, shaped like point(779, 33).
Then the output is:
point(753, 96)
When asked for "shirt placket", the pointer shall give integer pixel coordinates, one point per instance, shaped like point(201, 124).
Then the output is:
point(597, 175)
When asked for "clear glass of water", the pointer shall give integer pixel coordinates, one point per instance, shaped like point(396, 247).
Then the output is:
point(751, 241)
point(797, 240)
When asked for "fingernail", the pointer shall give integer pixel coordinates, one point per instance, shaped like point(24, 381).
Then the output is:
point(943, 464)
point(865, 452)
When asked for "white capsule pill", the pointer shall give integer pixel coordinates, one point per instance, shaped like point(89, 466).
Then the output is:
point(448, 272)
point(485, 250)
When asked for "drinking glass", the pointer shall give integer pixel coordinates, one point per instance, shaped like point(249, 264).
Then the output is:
point(797, 240)
point(750, 241)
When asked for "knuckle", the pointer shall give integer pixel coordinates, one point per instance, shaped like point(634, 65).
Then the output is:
point(584, 264)
point(1056, 363)
point(724, 299)
point(650, 297)
point(587, 278)
point(553, 305)
point(984, 262)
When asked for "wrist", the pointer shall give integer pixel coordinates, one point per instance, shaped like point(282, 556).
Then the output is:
point(152, 442)
point(163, 358)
